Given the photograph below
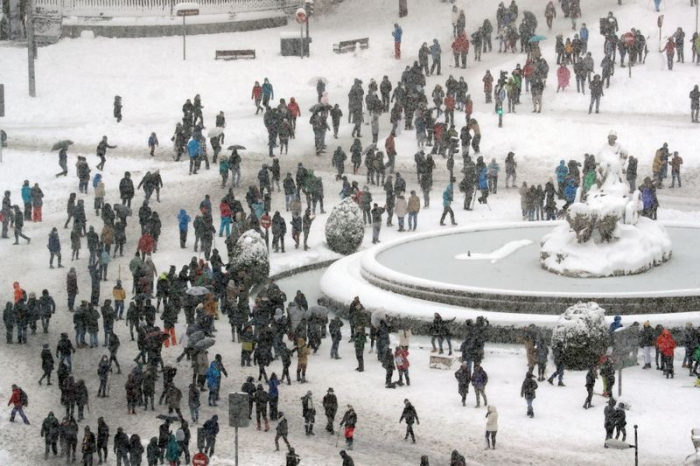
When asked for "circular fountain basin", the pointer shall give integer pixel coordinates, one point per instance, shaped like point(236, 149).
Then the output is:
point(497, 267)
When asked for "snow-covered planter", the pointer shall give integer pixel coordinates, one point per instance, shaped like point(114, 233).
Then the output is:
point(582, 330)
point(344, 228)
point(250, 255)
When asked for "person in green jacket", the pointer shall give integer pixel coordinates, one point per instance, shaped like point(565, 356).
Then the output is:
point(173, 453)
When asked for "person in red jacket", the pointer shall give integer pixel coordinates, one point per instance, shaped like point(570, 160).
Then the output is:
point(294, 113)
point(19, 292)
point(450, 104)
point(670, 50)
point(225, 211)
point(16, 400)
point(468, 107)
point(460, 49)
point(667, 346)
point(401, 359)
point(257, 97)
point(145, 246)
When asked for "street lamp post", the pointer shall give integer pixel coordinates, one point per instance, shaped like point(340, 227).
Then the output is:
point(620, 445)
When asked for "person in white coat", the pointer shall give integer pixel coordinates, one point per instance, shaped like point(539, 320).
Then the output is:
point(491, 427)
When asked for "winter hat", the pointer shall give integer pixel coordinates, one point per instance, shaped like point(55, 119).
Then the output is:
point(45, 345)
point(612, 134)
point(330, 390)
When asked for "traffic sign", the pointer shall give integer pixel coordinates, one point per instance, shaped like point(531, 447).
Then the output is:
point(200, 459)
point(190, 12)
point(265, 221)
point(301, 16)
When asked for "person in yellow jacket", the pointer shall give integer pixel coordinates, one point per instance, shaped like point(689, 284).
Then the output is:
point(303, 352)
point(119, 295)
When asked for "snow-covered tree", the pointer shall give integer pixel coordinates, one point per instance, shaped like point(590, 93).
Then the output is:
point(344, 228)
point(582, 330)
point(250, 255)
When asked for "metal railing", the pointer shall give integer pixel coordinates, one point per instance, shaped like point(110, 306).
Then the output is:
point(111, 8)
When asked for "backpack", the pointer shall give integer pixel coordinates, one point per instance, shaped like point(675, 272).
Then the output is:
point(23, 398)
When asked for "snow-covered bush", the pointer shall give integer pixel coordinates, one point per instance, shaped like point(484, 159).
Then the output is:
point(250, 255)
point(344, 228)
point(582, 330)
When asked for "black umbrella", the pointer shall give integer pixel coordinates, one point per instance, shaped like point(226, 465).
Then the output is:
point(62, 144)
point(319, 107)
point(236, 147)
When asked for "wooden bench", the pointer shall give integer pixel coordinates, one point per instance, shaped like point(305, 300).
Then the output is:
point(234, 54)
point(351, 45)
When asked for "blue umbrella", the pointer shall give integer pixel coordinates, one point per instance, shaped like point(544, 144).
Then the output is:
point(537, 38)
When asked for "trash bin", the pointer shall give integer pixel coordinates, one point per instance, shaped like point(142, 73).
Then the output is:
point(291, 44)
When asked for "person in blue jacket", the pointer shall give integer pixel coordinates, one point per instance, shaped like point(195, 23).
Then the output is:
point(267, 92)
point(583, 35)
point(569, 192)
point(398, 32)
point(183, 221)
point(54, 247)
point(447, 197)
point(435, 52)
point(27, 199)
point(194, 149)
point(483, 185)
point(561, 171)
point(616, 323)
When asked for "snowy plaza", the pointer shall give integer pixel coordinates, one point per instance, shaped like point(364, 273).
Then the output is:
point(630, 248)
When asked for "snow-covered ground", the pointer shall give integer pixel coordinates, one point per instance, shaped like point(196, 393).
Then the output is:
point(76, 82)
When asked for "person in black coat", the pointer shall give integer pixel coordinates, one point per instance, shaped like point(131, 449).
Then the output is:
point(50, 430)
point(410, 415)
point(126, 189)
point(102, 439)
point(102, 151)
point(347, 459)
point(47, 364)
point(330, 406)
point(89, 446)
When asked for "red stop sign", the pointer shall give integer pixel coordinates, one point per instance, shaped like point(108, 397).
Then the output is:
point(265, 221)
point(628, 37)
point(200, 459)
point(300, 16)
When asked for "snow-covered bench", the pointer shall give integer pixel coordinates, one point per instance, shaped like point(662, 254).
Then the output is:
point(234, 54)
point(351, 45)
point(440, 362)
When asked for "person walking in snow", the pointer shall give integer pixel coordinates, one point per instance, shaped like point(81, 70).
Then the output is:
point(410, 415)
point(463, 379)
point(558, 353)
point(19, 401)
point(102, 151)
point(528, 391)
point(479, 380)
point(590, 383)
point(349, 422)
point(308, 412)
point(491, 427)
point(397, 34)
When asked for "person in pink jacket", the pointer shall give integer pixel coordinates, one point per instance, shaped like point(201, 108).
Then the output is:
point(563, 76)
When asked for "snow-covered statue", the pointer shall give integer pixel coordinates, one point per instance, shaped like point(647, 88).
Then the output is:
point(604, 235)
